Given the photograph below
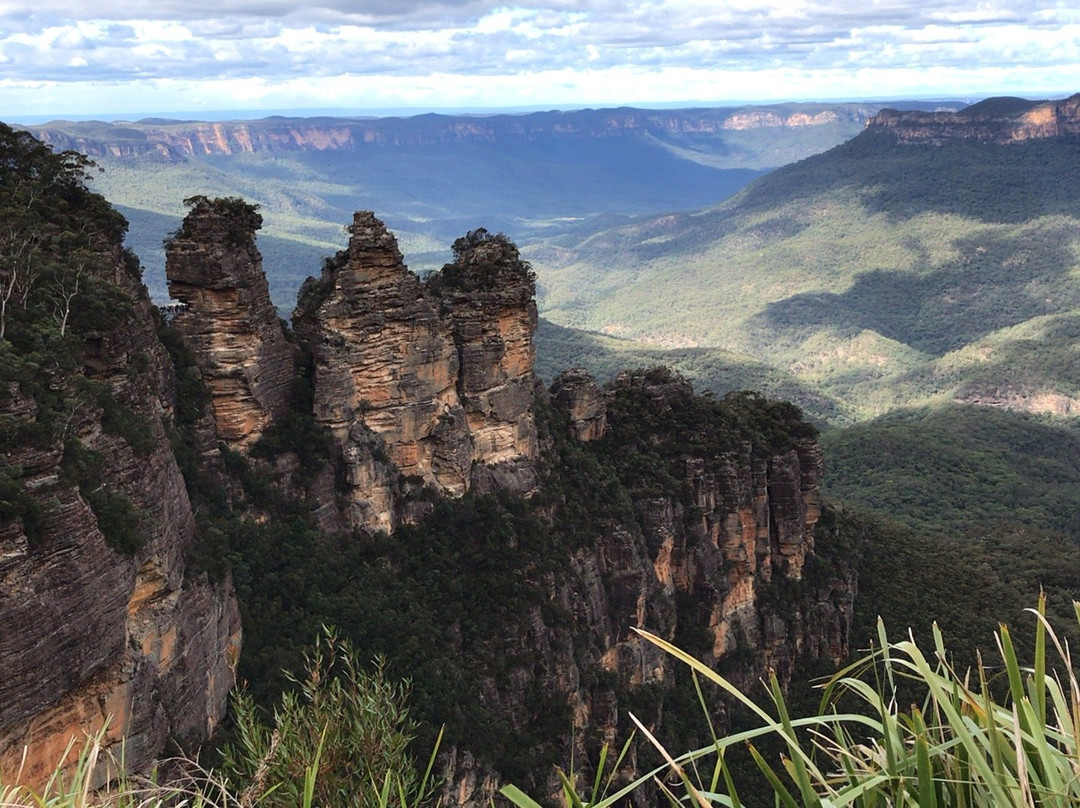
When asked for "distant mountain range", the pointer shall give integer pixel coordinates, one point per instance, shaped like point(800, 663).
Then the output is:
point(173, 139)
point(434, 177)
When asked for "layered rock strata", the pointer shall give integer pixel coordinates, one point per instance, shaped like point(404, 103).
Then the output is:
point(576, 392)
point(716, 565)
point(996, 120)
point(215, 270)
point(423, 385)
point(489, 296)
point(92, 638)
point(179, 139)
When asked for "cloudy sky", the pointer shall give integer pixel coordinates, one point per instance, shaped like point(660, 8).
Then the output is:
point(124, 56)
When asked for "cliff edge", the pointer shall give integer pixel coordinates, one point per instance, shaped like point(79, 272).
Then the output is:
point(995, 120)
point(105, 626)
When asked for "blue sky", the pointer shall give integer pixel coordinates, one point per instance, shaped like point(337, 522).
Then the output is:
point(119, 57)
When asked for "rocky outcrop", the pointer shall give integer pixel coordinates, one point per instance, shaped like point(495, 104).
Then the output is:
point(580, 396)
point(101, 636)
point(489, 296)
point(423, 385)
point(215, 270)
point(996, 120)
point(717, 563)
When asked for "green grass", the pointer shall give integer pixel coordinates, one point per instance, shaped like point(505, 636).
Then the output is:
point(999, 734)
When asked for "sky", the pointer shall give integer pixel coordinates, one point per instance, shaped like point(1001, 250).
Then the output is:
point(117, 57)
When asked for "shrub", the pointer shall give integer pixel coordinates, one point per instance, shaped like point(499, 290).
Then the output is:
point(340, 739)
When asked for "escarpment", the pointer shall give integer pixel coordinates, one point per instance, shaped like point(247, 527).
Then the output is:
point(104, 626)
point(425, 385)
point(995, 120)
point(215, 270)
point(713, 549)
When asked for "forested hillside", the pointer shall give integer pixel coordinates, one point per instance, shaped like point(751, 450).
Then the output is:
point(879, 273)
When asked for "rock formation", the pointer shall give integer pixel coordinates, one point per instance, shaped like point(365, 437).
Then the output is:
point(580, 396)
point(704, 563)
point(215, 270)
point(95, 635)
point(425, 385)
point(995, 120)
point(386, 371)
point(489, 293)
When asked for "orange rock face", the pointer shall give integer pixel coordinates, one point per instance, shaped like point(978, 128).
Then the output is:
point(215, 270)
point(993, 121)
point(489, 294)
point(91, 637)
point(418, 382)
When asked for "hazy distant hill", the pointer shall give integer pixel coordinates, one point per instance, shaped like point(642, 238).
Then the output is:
point(932, 258)
point(433, 177)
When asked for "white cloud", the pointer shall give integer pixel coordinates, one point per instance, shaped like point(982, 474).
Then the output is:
point(450, 49)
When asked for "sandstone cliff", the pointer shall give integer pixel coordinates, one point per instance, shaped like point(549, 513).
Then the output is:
point(996, 120)
point(103, 625)
point(421, 388)
point(715, 559)
point(214, 269)
point(488, 293)
point(171, 140)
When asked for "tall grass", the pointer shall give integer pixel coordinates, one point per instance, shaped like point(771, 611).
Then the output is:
point(998, 735)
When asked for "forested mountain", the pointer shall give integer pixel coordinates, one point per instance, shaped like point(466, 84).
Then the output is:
point(924, 260)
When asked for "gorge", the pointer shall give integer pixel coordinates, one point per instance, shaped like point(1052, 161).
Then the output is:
point(395, 458)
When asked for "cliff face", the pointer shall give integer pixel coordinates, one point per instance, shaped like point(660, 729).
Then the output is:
point(173, 139)
point(100, 630)
point(215, 270)
point(488, 294)
point(421, 388)
point(718, 564)
point(996, 120)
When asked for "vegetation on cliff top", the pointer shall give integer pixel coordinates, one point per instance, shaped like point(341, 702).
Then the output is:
point(61, 293)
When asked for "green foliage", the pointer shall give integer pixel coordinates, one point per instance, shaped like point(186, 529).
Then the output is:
point(435, 600)
point(960, 470)
point(192, 397)
point(482, 262)
point(963, 741)
point(343, 735)
point(117, 517)
point(655, 421)
point(241, 218)
point(16, 503)
point(56, 242)
point(118, 419)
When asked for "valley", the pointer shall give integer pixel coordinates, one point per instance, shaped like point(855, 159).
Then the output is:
point(408, 459)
